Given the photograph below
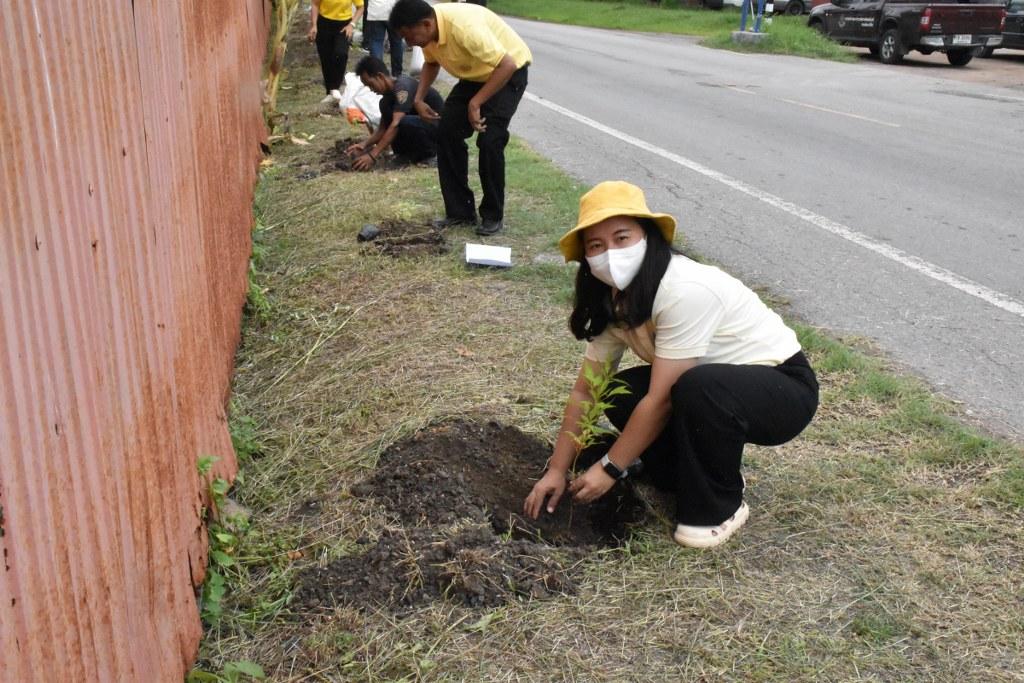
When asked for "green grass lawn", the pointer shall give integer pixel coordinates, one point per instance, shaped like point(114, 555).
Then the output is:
point(786, 35)
point(884, 543)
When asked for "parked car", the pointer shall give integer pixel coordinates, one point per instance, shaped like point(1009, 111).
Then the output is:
point(1013, 30)
point(792, 7)
point(891, 29)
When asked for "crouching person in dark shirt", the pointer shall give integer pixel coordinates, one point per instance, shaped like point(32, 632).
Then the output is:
point(408, 135)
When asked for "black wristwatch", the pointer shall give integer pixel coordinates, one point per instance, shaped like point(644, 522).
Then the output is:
point(612, 469)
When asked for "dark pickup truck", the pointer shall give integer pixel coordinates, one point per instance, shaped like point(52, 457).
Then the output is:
point(891, 29)
point(1013, 30)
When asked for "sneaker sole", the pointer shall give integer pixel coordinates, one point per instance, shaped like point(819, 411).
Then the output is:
point(703, 542)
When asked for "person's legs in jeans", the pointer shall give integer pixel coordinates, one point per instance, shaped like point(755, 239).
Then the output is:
point(374, 32)
point(397, 50)
point(453, 154)
point(491, 142)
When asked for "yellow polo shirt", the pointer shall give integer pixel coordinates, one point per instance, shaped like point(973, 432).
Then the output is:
point(339, 10)
point(471, 40)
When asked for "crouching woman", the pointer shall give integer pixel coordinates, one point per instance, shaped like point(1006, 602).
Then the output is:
point(721, 369)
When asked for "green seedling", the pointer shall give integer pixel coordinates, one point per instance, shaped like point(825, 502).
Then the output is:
point(602, 385)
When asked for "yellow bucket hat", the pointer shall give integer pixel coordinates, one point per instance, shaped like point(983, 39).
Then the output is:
point(607, 199)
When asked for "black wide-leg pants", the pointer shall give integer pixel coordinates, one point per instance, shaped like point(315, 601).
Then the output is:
point(716, 409)
point(453, 154)
point(332, 48)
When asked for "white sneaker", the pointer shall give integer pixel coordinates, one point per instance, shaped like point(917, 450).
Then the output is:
point(336, 94)
point(328, 99)
point(710, 536)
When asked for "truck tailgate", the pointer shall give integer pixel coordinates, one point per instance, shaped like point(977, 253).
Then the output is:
point(976, 19)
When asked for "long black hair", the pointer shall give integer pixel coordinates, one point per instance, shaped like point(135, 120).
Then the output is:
point(593, 307)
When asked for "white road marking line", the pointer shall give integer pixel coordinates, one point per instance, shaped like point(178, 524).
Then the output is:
point(840, 113)
point(745, 92)
point(1003, 98)
point(938, 273)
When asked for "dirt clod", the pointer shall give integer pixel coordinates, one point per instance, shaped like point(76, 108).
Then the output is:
point(457, 489)
point(404, 238)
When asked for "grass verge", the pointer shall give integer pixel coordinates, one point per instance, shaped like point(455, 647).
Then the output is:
point(884, 543)
point(786, 35)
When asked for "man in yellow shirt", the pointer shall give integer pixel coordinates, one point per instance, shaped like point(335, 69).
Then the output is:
point(490, 60)
point(331, 23)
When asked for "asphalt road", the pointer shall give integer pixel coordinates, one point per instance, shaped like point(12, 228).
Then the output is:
point(882, 202)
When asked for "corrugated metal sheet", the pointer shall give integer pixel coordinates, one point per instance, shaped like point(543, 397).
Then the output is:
point(130, 134)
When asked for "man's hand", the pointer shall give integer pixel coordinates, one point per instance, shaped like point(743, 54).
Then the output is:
point(425, 112)
point(311, 36)
point(551, 484)
point(364, 163)
point(594, 483)
point(355, 150)
point(475, 120)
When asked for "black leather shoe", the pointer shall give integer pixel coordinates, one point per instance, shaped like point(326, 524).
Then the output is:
point(449, 222)
point(490, 227)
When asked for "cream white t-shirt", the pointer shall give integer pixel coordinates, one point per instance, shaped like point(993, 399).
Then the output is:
point(379, 10)
point(701, 312)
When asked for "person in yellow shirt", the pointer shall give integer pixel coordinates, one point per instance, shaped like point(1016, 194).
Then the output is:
point(490, 60)
point(331, 23)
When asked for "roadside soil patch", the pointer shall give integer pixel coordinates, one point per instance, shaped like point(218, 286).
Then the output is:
point(335, 160)
point(457, 490)
point(405, 238)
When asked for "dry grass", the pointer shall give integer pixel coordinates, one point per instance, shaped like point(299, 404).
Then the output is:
point(885, 543)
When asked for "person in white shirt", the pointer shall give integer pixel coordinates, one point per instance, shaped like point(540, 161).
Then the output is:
point(720, 369)
point(375, 27)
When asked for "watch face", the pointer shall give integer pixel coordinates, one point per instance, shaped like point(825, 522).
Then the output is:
point(610, 467)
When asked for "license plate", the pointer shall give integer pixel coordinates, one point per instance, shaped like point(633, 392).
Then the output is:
point(962, 39)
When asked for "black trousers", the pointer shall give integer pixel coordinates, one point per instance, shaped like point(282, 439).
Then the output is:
point(332, 48)
point(453, 154)
point(716, 409)
point(416, 139)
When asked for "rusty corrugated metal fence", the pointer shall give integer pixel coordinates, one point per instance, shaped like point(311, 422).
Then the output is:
point(130, 135)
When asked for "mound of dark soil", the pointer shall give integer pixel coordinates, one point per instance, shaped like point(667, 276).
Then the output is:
point(470, 567)
point(335, 160)
point(469, 470)
point(404, 238)
point(458, 490)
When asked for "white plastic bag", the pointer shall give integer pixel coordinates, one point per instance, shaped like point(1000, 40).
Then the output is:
point(362, 98)
point(416, 62)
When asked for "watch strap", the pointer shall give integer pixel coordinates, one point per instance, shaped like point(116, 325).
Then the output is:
point(612, 469)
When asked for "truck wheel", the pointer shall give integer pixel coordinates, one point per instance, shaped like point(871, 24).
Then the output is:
point(890, 50)
point(986, 52)
point(795, 7)
point(959, 57)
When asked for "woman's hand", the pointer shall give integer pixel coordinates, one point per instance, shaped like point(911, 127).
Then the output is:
point(551, 484)
point(594, 483)
point(312, 33)
point(349, 28)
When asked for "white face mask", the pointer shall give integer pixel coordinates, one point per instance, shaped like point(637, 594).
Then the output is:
point(617, 267)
